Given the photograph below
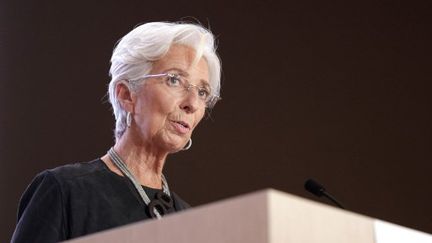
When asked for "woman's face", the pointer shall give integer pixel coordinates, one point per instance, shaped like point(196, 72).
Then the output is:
point(163, 119)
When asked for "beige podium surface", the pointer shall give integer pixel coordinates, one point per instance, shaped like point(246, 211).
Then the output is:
point(267, 216)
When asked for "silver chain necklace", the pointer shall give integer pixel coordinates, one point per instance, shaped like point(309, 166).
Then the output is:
point(115, 158)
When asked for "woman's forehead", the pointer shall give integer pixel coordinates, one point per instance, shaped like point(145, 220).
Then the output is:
point(181, 55)
point(181, 59)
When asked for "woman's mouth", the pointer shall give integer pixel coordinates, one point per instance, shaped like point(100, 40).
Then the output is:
point(181, 126)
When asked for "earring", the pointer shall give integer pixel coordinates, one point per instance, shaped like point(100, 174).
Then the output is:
point(188, 145)
point(128, 119)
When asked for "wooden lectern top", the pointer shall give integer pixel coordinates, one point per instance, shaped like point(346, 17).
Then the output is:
point(267, 216)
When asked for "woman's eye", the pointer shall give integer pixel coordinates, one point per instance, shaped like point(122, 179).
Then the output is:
point(173, 80)
point(204, 93)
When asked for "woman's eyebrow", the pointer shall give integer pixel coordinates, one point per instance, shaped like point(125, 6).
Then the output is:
point(205, 83)
point(179, 70)
point(183, 73)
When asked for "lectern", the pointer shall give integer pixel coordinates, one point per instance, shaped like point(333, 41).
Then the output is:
point(267, 216)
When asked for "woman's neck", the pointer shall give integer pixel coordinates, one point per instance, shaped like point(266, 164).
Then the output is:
point(143, 162)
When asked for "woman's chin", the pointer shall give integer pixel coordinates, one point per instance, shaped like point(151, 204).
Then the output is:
point(174, 143)
point(175, 150)
point(174, 147)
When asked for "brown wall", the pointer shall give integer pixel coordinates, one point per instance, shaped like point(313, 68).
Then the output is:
point(338, 92)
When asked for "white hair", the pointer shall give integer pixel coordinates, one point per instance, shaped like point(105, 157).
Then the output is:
point(136, 52)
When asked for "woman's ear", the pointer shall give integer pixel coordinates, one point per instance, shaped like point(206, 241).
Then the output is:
point(125, 96)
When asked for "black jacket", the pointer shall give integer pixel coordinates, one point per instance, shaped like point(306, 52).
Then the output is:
point(79, 199)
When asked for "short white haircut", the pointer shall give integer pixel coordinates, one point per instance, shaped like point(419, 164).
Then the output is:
point(135, 53)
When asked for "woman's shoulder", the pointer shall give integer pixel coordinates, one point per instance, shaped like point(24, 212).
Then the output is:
point(77, 170)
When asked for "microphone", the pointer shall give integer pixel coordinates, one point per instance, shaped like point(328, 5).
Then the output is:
point(319, 191)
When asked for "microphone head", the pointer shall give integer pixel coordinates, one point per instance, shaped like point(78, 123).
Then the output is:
point(314, 187)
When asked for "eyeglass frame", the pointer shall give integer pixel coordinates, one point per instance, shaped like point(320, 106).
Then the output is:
point(212, 100)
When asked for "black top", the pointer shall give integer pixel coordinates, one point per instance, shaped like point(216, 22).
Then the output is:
point(79, 199)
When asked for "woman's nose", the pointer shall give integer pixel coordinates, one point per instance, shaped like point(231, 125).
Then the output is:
point(191, 101)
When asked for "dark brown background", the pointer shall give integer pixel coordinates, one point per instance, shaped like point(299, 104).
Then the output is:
point(335, 91)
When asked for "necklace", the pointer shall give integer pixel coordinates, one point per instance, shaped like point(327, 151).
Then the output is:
point(155, 206)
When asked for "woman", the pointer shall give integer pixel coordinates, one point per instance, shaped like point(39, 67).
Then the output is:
point(164, 77)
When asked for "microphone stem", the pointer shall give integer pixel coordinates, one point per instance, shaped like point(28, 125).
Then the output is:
point(327, 195)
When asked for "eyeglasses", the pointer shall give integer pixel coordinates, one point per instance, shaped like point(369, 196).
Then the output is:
point(179, 84)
